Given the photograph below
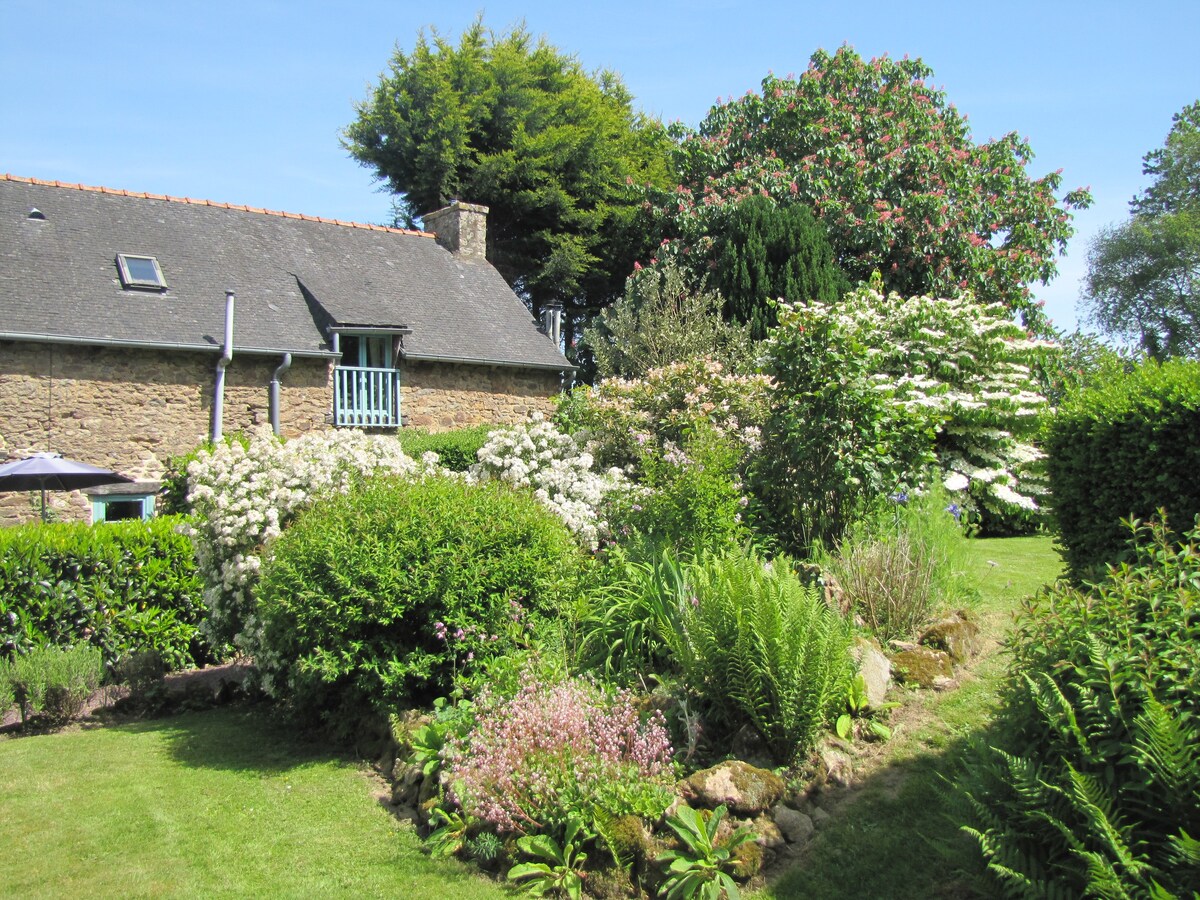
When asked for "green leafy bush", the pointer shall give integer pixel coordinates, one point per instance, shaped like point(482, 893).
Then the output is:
point(1124, 447)
point(457, 450)
point(901, 566)
point(375, 596)
point(691, 498)
point(664, 318)
point(1093, 787)
point(55, 682)
point(835, 440)
point(123, 587)
point(7, 697)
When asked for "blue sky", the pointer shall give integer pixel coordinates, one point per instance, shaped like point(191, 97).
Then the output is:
point(243, 102)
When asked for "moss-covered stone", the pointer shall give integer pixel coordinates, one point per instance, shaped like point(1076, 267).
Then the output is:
point(628, 839)
point(956, 634)
point(746, 861)
point(745, 790)
point(922, 666)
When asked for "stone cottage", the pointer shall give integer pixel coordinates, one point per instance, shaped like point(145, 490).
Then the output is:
point(134, 326)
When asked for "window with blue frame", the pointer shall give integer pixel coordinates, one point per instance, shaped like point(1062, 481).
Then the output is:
point(367, 383)
point(118, 507)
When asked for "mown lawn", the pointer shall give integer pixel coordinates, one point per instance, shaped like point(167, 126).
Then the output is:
point(228, 803)
point(215, 804)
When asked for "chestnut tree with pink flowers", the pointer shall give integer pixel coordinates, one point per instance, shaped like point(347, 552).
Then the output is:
point(888, 165)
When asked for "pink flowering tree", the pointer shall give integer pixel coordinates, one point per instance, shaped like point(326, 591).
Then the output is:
point(891, 170)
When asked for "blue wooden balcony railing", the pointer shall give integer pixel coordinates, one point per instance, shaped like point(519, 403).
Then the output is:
point(365, 397)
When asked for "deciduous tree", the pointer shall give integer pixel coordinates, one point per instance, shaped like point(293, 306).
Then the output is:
point(1143, 282)
point(889, 167)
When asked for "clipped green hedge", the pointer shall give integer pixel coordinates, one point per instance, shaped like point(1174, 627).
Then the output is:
point(455, 449)
point(122, 587)
point(1127, 447)
point(375, 597)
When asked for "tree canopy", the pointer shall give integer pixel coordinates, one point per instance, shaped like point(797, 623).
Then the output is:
point(1143, 282)
point(889, 167)
point(555, 152)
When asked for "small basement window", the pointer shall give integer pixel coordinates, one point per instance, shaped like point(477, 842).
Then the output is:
point(140, 272)
point(114, 502)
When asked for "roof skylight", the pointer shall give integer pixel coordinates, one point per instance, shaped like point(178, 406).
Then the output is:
point(140, 272)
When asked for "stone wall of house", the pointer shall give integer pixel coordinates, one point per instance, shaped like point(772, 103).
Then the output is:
point(440, 397)
point(132, 410)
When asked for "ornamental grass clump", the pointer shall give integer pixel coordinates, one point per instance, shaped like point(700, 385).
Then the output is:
point(553, 751)
point(898, 568)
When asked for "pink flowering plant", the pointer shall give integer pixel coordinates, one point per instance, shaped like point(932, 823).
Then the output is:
point(889, 167)
point(621, 420)
point(558, 749)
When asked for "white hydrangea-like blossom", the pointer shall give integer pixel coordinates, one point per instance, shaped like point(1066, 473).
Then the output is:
point(537, 455)
point(966, 365)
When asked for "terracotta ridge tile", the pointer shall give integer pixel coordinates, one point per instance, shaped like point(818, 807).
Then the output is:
point(366, 226)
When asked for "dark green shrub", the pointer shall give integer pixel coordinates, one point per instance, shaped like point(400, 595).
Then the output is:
point(55, 682)
point(456, 449)
point(1093, 787)
point(141, 672)
point(1124, 448)
point(123, 587)
point(373, 598)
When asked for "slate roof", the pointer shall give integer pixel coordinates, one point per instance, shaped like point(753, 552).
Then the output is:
point(293, 276)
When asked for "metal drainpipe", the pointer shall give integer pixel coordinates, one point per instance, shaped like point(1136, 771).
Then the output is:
point(283, 367)
point(225, 360)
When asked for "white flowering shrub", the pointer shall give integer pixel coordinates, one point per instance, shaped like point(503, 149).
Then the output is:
point(972, 369)
point(243, 494)
point(561, 474)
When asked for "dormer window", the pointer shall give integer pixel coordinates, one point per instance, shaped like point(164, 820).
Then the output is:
point(141, 272)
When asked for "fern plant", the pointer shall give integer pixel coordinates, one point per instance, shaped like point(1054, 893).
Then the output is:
point(763, 649)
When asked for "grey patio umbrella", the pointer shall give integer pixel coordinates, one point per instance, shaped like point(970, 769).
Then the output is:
point(51, 472)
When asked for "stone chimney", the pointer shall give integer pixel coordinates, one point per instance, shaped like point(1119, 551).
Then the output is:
point(461, 228)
